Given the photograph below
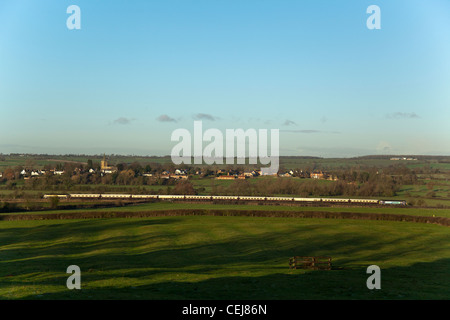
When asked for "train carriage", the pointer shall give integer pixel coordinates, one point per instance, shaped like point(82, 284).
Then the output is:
point(336, 200)
point(85, 195)
point(171, 197)
point(368, 201)
point(144, 196)
point(192, 197)
point(252, 198)
point(116, 196)
point(307, 199)
point(279, 199)
point(225, 197)
point(60, 196)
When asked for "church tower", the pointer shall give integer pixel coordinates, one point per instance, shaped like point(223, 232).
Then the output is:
point(104, 163)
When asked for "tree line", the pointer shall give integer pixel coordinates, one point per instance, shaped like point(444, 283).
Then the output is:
point(351, 182)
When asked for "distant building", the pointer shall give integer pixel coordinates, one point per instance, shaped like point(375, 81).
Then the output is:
point(268, 174)
point(226, 178)
point(179, 176)
point(318, 175)
point(404, 158)
point(250, 174)
point(173, 176)
point(105, 168)
point(285, 175)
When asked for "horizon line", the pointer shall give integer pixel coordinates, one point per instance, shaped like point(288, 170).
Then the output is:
point(168, 156)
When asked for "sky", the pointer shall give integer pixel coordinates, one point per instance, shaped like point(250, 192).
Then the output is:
point(138, 70)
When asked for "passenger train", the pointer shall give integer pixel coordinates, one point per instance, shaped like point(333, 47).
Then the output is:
point(224, 198)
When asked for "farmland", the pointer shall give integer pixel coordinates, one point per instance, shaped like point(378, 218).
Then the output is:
point(167, 250)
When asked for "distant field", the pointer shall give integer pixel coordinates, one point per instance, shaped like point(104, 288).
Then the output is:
point(41, 161)
point(285, 161)
point(221, 258)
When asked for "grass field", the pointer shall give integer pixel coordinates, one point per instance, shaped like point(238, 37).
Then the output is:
point(221, 258)
point(165, 205)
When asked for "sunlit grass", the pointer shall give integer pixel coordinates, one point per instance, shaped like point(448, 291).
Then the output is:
point(221, 258)
point(164, 205)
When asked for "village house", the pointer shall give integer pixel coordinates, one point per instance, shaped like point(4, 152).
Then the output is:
point(180, 172)
point(318, 175)
point(173, 176)
point(285, 175)
point(288, 174)
point(223, 177)
point(179, 176)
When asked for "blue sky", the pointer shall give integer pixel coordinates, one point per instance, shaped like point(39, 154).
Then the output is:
point(137, 70)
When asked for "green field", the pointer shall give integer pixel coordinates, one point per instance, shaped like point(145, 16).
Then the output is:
point(193, 257)
point(166, 205)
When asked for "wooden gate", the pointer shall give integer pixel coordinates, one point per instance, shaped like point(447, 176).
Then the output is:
point(314, 263)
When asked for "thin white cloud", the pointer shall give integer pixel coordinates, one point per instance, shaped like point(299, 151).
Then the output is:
point(402, 115)
point(123, 121)
point(309, 131)
point(204, 116)
point(289, 123)
point(165, 118)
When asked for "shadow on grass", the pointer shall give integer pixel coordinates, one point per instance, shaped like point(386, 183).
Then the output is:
point(248, 266)
point(419, 281)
